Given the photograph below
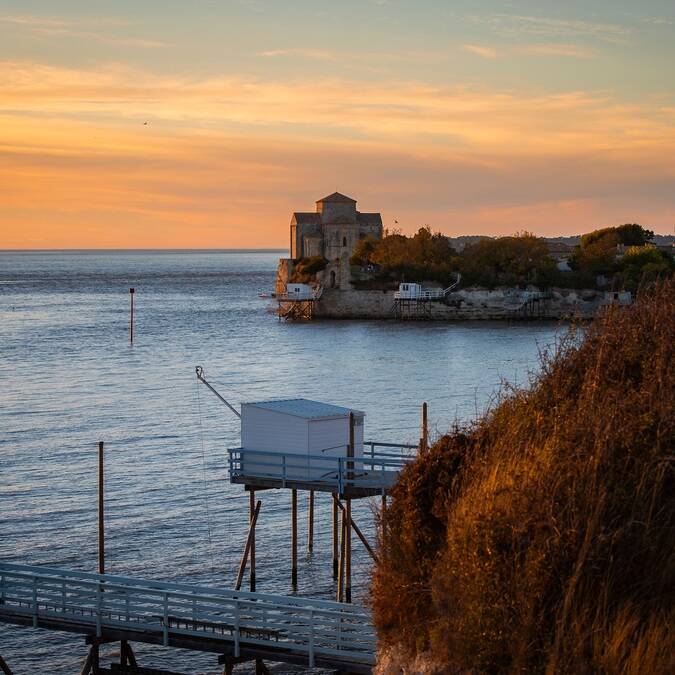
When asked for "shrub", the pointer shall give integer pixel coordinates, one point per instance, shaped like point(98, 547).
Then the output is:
point(541, 539)
point(306, 268)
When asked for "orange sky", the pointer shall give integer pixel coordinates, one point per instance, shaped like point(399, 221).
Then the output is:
point(115, 154)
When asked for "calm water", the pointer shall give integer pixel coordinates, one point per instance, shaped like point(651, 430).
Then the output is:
point(69, 378)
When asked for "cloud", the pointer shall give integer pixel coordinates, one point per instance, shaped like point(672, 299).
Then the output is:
point(303, 52)
point(80, 29)
point(518, 25)
point(224, 160)
point(484, 52)
point(556, 49)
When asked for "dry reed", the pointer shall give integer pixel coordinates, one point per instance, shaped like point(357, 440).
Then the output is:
point(541, 539)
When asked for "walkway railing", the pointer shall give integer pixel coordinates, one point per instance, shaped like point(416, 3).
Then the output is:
point(313, 628)
point(372, 470)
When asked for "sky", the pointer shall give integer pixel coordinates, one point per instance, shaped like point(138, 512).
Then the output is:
point(206, 124)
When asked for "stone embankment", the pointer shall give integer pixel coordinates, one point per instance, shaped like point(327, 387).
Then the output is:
point(467, 304)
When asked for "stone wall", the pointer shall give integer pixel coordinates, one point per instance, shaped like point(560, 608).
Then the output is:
point(466, 304)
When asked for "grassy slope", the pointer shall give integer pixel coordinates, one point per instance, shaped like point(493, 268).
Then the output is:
point(542, 539)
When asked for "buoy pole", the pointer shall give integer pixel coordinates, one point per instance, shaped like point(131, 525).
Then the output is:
point(101, 524)
point(131, 318)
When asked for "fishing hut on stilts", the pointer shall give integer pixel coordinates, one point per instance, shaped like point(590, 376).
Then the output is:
point(303, 445)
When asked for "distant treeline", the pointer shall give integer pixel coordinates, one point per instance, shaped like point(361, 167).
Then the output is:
point(620, 257)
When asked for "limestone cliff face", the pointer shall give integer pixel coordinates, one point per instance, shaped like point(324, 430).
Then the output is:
point(466, 304)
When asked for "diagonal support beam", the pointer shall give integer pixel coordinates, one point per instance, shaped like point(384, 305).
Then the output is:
point(247, 548)
point(358, 533)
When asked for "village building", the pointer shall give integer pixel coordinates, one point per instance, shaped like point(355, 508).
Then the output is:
point(331, 231)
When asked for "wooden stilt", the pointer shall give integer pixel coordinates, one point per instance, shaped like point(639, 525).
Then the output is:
point(86, 666)
point(341, 571)
point(310, 523)
point(261, 668)
point(294, 537)
point(360, 535)
point(127, 656)
point(4, 667)
point(91, 664)
point(335, 536)
point(247, 548)
point(251, 511)
point(348, 552)
point(348, 513)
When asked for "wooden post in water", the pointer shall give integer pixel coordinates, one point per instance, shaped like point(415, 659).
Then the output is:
point(310, 523)
point(424, 439)
point(294, 537)
point(251, 513)
point(101, 520)
point(131, 317)
point(335, 536)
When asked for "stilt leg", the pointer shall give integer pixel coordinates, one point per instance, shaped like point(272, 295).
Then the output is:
point(341, 571)
point(348, 552)
point(310, 523)
point(127, 656)
point(4, 667)
point(251, 511)
point(335, 537)
point(294, 538)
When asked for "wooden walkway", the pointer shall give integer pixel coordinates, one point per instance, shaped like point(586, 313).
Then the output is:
point(234, 624)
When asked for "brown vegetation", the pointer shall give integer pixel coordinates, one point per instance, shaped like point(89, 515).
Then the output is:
point(542, 538)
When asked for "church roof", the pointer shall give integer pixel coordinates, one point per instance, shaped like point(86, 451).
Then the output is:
point(374, 218)
point(337, 197)
point(312, 217)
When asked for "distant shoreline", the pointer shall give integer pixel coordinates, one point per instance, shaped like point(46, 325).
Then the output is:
point(94, 251)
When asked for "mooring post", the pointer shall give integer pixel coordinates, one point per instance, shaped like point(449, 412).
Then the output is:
point(251, 511)
point(424, 439)
point(310, 523)
point(294, 537)
point(101, 524)
point(131, 317)
point(335, 536)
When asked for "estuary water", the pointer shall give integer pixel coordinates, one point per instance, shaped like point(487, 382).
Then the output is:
point(69, 378)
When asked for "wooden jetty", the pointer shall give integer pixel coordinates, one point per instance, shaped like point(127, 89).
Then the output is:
point(236, 625)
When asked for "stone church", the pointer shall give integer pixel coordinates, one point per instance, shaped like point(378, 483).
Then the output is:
point(332, 231)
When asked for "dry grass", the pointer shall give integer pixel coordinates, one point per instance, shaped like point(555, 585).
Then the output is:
point(542, 538)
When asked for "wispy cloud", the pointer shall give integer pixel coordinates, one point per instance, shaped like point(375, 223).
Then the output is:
point(100, 29)
point(302, 52)
point(556, 49)
point(479, 50)
point(221, 163)
point(515, 25)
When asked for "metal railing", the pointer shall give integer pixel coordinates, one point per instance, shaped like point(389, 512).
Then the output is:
point(373, 470)
point(312, 628)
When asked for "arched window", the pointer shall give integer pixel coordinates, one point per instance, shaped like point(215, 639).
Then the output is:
point(344, 241)
point(332, 278)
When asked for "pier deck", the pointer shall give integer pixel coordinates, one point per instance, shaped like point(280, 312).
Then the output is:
point(236, 624)
point(370, 474)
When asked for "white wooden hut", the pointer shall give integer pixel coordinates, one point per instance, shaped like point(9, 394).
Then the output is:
point(298, 291)
point(303, 430)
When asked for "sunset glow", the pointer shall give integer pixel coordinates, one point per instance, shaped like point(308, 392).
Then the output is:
point(158, 128)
